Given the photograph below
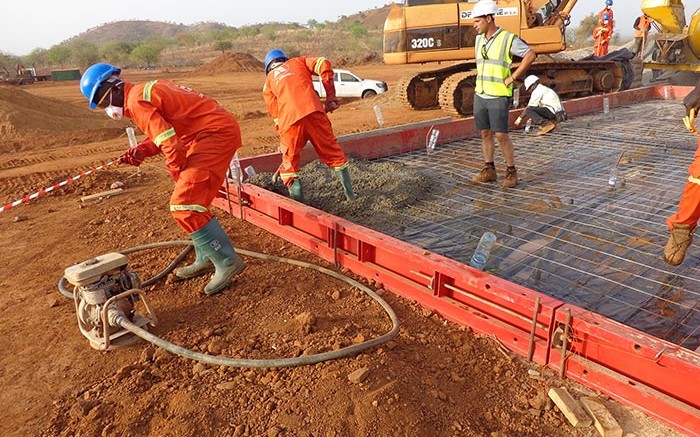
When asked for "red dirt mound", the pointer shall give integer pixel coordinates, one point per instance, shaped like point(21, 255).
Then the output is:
point(233, 62)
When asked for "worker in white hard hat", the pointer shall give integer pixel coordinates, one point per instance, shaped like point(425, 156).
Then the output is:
point(544, 107)
point(495, 51)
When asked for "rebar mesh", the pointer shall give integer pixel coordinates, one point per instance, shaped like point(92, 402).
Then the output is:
point(565, 231)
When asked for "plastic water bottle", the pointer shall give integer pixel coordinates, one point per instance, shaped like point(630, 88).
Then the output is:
point(616, 180)
point(483, 250)
point(528, 126)
point(250, 171)
point(378, 114)
point(131, 136)
point(516, 97)
point(235, 168)
point(606, 105)
point(432, 140)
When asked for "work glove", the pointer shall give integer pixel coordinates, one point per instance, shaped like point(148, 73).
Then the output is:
point(174, 173)
point(692, 107)
point(331, 100)
point(135, 155)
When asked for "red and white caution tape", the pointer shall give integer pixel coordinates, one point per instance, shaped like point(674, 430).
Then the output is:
point(53, 187)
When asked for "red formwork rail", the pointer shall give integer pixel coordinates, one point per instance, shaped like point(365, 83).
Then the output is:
point(638, 369)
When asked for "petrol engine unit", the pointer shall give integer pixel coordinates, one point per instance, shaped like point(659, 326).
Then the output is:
point(105, 291)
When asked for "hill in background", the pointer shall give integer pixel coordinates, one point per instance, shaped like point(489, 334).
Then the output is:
point(351, 39)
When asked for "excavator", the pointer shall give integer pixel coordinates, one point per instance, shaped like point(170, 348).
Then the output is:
point(426, 31)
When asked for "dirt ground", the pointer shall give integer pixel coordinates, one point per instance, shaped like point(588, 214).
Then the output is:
point(434, 379)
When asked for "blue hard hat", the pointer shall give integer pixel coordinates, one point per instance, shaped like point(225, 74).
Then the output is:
point(608, 2)
point(272, 55)
point(92, 79)
point(606, 17)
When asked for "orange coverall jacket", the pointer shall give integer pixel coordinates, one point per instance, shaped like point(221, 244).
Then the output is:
point(609, 11)
point(197, 136)
point(643, 27)
point(689, 205)
point(601, 37)
point(299, 115)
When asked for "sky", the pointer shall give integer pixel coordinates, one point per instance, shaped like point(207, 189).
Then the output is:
point(43, 23)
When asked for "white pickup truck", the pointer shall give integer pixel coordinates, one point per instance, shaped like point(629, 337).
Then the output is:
point(348, 84)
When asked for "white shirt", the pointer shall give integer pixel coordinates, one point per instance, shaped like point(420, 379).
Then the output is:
point(545, 97)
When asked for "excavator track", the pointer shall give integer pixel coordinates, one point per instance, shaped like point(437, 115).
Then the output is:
point(420, 91)
point(452, 88)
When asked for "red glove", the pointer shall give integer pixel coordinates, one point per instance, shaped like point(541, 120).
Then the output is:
point(174, 172)
point(135, 155)
point(331, 101)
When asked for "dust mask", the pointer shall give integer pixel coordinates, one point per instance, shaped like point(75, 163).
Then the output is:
point(115, 112)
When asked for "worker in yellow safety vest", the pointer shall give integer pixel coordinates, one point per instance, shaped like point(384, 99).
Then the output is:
point(495, 50)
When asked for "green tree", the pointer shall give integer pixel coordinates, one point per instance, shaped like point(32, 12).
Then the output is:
point(358, 31)
point(116, 52)
point(222, 46)
point(37, 58)
point(187, 39)
point(583, 34)
point(85, 53)
point(313, 24)
point(58, 54)
point(147, 53)
point(7, 62)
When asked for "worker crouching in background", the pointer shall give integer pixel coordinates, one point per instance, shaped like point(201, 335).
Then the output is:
point(198, 138)
point(300, 117)
point(544, 107)
point(682, 224)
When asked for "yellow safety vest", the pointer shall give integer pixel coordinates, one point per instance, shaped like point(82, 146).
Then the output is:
point(493, 68)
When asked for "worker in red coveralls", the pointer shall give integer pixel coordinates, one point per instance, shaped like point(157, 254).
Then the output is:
point(601, 37)
point(683, 223)
point(198, 138)
point(300, 116)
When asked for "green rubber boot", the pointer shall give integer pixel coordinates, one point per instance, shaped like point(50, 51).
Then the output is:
point(200, 266)
point(216, 246)
point(345, 181)
point(295, 191)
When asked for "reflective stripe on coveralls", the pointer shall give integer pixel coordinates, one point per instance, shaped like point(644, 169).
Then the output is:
point(198, 138)
point(318, 68)
point(169, 133)
point(292, 102)
point(317, 129)
point(689, 205)
point(492, 72)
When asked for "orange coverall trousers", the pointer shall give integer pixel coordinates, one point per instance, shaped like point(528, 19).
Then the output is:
point(689, 205)
point(316, 128)
point(208, 159)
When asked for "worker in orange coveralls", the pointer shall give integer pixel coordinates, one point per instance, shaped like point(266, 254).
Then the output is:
point(198, 138)
point(683, 223)
point(607, 10)
point(601, 37)
point(300, 116)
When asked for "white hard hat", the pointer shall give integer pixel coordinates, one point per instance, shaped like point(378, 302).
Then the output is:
point(484, 7)
point(530, 81)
